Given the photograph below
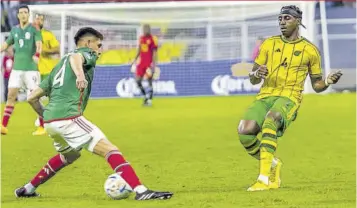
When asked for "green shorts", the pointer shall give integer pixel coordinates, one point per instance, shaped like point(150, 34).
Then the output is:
point(44, 76)
point(258, 110)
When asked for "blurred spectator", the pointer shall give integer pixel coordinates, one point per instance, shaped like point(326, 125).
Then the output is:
point(5, 26)
point(6, 66)
point(258, 43)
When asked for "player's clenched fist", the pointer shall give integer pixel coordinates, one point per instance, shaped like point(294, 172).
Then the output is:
point(261, 72)
point(333, 77)
point(81, 83)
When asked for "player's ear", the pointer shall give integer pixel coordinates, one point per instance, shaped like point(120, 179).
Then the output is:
point(88, 43)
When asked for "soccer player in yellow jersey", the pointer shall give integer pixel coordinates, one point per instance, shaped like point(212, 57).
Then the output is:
point(48, 58)
point(283, 63)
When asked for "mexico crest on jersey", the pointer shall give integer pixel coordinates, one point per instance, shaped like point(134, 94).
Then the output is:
point(27, 35)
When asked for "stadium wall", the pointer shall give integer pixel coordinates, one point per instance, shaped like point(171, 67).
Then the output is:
point(176, 79)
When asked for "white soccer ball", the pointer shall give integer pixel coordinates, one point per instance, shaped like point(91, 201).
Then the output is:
point(116, 187)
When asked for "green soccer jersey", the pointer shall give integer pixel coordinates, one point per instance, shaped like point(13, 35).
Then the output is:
point(24, 41)
point(66, 101)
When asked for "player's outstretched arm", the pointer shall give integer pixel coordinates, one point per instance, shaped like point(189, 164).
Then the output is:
point(137, 56)
point(76, 60)
point(34, 100)
point(319, 84)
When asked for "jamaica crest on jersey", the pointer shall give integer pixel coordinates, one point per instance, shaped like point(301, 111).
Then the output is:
point(297, 53)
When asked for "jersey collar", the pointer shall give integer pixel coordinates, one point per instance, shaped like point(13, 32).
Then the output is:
point(294, 41)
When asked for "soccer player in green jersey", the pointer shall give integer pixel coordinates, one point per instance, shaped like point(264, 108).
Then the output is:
point(27, 42)
point(283, 63)
point(68, 87)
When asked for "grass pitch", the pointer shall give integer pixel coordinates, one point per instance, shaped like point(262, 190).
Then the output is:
point(190, 146)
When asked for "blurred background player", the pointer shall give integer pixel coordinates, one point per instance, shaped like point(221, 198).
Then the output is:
point(283, 63)
point(258, 43)
point(49, 55)
point(69, 86)
point(26, 39)
point(147, 52)
point(7, 64)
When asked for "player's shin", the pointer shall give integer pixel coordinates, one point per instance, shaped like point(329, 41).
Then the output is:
point(252, 144)
point(7, 114)
point(141, 87)
point(54, 165)
point(267, 148)
point(151, 89)
point(119, 164)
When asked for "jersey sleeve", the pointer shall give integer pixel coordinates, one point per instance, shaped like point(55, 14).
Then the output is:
point(90, 58)
point(10, 39)
point(45, 85)
point(315, 61)
point(53, 41)
point(262, 57)
point(155, 42)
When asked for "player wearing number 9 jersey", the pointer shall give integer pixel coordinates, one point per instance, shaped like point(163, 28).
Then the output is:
point(27, 45)
point(68, 88)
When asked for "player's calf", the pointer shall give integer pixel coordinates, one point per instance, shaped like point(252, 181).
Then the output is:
point(269, 144)
point(247, 132)
point(9, 108)
point(118, 163)
point(54, 165)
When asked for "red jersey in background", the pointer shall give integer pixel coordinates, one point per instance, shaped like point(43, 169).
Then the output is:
point(147, 44)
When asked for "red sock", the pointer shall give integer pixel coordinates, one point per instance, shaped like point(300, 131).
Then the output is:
point(120, 165)
point(41, 121)
point(48, 171)
point(7, 114)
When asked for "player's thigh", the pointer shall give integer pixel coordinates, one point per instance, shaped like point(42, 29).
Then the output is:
point(55, 131)
point(256, 112)
point(32, 79)
point(140, 71)
point(288, 111)
point(78, 133)
point(16, 79)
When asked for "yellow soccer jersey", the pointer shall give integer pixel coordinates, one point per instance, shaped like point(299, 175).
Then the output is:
point(48, 62)
point(288, 64)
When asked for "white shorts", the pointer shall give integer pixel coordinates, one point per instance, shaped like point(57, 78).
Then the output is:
point(74, 134)
point(28, 80)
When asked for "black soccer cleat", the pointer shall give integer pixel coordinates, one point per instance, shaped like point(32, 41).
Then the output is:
point(21, 193)
point(149, 195)
point(147, 102)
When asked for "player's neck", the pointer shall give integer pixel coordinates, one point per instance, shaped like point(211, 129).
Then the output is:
point(24, 24)
point(293, 37)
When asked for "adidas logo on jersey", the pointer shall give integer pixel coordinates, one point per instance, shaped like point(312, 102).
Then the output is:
point(277, 50)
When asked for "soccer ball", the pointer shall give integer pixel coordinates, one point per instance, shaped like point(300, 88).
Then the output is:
point(116, 187)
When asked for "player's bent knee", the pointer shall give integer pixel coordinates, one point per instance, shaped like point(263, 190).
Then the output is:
point(71, 156)
point(11, 96)
point(248, 127)
point(104, 147)
point(275, 116)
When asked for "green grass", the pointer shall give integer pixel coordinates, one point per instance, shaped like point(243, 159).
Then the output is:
point(190, 146)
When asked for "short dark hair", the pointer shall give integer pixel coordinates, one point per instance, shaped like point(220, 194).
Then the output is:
point(85, 31)
point(23, 6)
